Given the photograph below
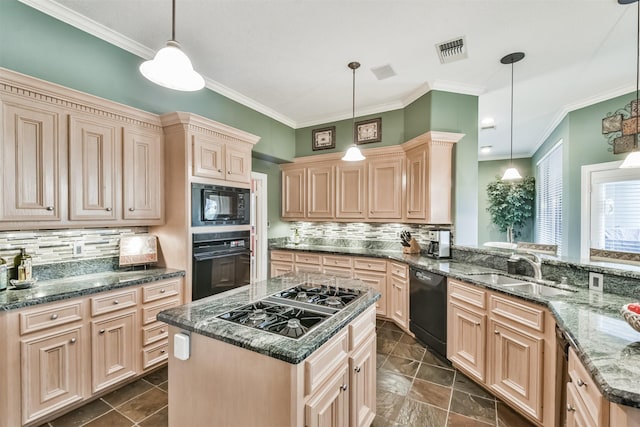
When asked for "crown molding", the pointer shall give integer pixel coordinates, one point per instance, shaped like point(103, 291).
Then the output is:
point(376, 109)
point(456, 87)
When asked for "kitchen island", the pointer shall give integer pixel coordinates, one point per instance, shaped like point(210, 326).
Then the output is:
point(244, 374)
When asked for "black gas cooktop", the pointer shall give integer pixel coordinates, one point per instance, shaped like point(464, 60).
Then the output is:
point(295, 311)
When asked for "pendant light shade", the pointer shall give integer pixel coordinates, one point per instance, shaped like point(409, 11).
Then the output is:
point(171, 67)
point(633, 158)
point(511, 173)
point(353, 154)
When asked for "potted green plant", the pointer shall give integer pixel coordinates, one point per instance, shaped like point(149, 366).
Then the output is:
point(511, 204)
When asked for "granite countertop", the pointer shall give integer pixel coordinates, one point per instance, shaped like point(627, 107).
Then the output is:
point(607, 346)
point(46, 291)
point(201, 317)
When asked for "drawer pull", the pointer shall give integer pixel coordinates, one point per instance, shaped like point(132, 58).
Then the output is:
point(219, 170)
point(477, 323)
point(101, 331)
point(132, 209)
point(108, 209)
point(580, 382)
point(163, 351)
point(229, 172)
point(49, 208)
point(162, 291)
point(570, 408)
point(54, 316)
point(344, 387)
point(72, 341)
point(162, 331)
point(357, 369)
point(115, 301)
point(496, 332)
point(369, 265)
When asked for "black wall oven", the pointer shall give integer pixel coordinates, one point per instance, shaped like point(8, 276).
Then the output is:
point(221, 261)
point(217, 205)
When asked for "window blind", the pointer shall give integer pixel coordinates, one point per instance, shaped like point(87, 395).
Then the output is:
point(548, 224)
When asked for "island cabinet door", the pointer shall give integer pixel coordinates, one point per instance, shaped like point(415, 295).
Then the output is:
point(329, 405)
point(362, 367)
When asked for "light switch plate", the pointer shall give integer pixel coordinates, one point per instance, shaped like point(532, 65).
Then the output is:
point(78, 249)
point(596, 281)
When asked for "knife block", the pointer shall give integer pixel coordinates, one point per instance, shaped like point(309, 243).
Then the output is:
point(414, 247)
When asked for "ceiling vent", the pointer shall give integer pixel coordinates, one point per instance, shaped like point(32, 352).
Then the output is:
point(452, 50)
point(383, 72)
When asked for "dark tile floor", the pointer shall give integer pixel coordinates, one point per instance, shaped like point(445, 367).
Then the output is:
point(414, 388)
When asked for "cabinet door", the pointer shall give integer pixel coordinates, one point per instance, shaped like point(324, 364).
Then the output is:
point(142, 175)
point(329, 406)
point(320, 192)
point(238, 164)
point(113, 349)
point(280, 268)
point(30, 160)
point(399, 301)
point(362, 368)
point(293, 193)
point(516, 372)
point(208, 157)
point(385, 188)
point(378, 281)
point(466, 334)
point(351, 193)
point(94, 159)
point(416, 184)
point(51, 373)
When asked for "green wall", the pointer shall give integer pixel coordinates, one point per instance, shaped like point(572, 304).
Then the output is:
point(36, 44)
point(584, 144)
point(487, 172)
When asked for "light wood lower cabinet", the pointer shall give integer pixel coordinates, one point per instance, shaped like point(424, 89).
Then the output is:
point(329, 407)
point(466, 339)
point(378, 281)
point(398, 291)
point(72, 350)
point(362, 369)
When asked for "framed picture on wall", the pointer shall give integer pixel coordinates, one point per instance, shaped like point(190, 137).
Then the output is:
point(323, 139)
point(368, 131)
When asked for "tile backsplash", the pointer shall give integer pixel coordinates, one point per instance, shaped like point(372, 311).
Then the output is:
point(56, 246)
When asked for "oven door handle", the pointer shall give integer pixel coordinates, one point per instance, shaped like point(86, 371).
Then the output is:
point(208, 256)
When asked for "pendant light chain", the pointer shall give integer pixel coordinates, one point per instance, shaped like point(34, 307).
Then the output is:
point(173, 20)
point(353, 103)
point(511, 151)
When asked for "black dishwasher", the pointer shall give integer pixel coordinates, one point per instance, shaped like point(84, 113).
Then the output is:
point(428, 309)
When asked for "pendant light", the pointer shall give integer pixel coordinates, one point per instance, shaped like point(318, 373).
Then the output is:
point(511, 173)
point(171, 67)
point(353, 154)
point(633, 158)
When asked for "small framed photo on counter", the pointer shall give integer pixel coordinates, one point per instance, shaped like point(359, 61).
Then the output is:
point(323, 139)
point(368, 131)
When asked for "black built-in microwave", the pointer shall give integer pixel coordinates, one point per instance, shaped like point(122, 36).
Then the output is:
point(217, 205)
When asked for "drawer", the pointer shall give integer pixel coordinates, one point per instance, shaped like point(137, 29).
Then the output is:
point(399, 270)
point(337, 271)
point(281, 256)
point(337, 261)
point(309, 259)
point(153, 355)
point(320, 365)
point(468, 294)
point(596, 406)
point(362, 328)
point(161, 290)
point(369, 264)
point(308, 268)
point(113, 301)
point(48, 317)
point(154, 332)
point(149, 313)
point(517, 312)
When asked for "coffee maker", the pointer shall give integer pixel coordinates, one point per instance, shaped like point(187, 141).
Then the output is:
point(439, 243)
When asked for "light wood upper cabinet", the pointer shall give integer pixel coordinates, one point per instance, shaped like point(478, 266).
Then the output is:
point(214, 158)
point(385, 188)
point(320, 191)
point(294, 200)
point(94, 153)
point(416, 183)
point(238, 162)
point(142, 175)
point(351, 190)
point(30, 147)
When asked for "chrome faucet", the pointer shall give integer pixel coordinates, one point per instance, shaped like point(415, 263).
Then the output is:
point(535, 263)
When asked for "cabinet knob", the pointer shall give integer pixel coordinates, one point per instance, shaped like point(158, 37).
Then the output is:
point(163, 351)
point(570, 408)
point(101, 331)
point(219, 170)
point(162, 331)
point(344, 387)
point(115, 301)
point(228, 172)
point(477, 323)
point(54, 316)
point(162, 291)
point(580, 382)
point(72, 341)
point(108, 209)
point(357, 369)
point(496, 332)
point(132, 209)
point(49, 208)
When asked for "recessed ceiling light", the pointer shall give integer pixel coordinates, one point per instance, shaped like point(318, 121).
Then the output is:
point(485, 149)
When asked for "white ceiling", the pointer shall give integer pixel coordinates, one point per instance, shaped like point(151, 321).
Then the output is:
point(288, 58)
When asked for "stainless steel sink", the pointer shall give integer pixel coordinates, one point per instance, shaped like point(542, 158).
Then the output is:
point(537, 289)
point(498, 279)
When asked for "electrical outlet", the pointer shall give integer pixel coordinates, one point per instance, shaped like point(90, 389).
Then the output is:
point(596, 281)
point(78, 249)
